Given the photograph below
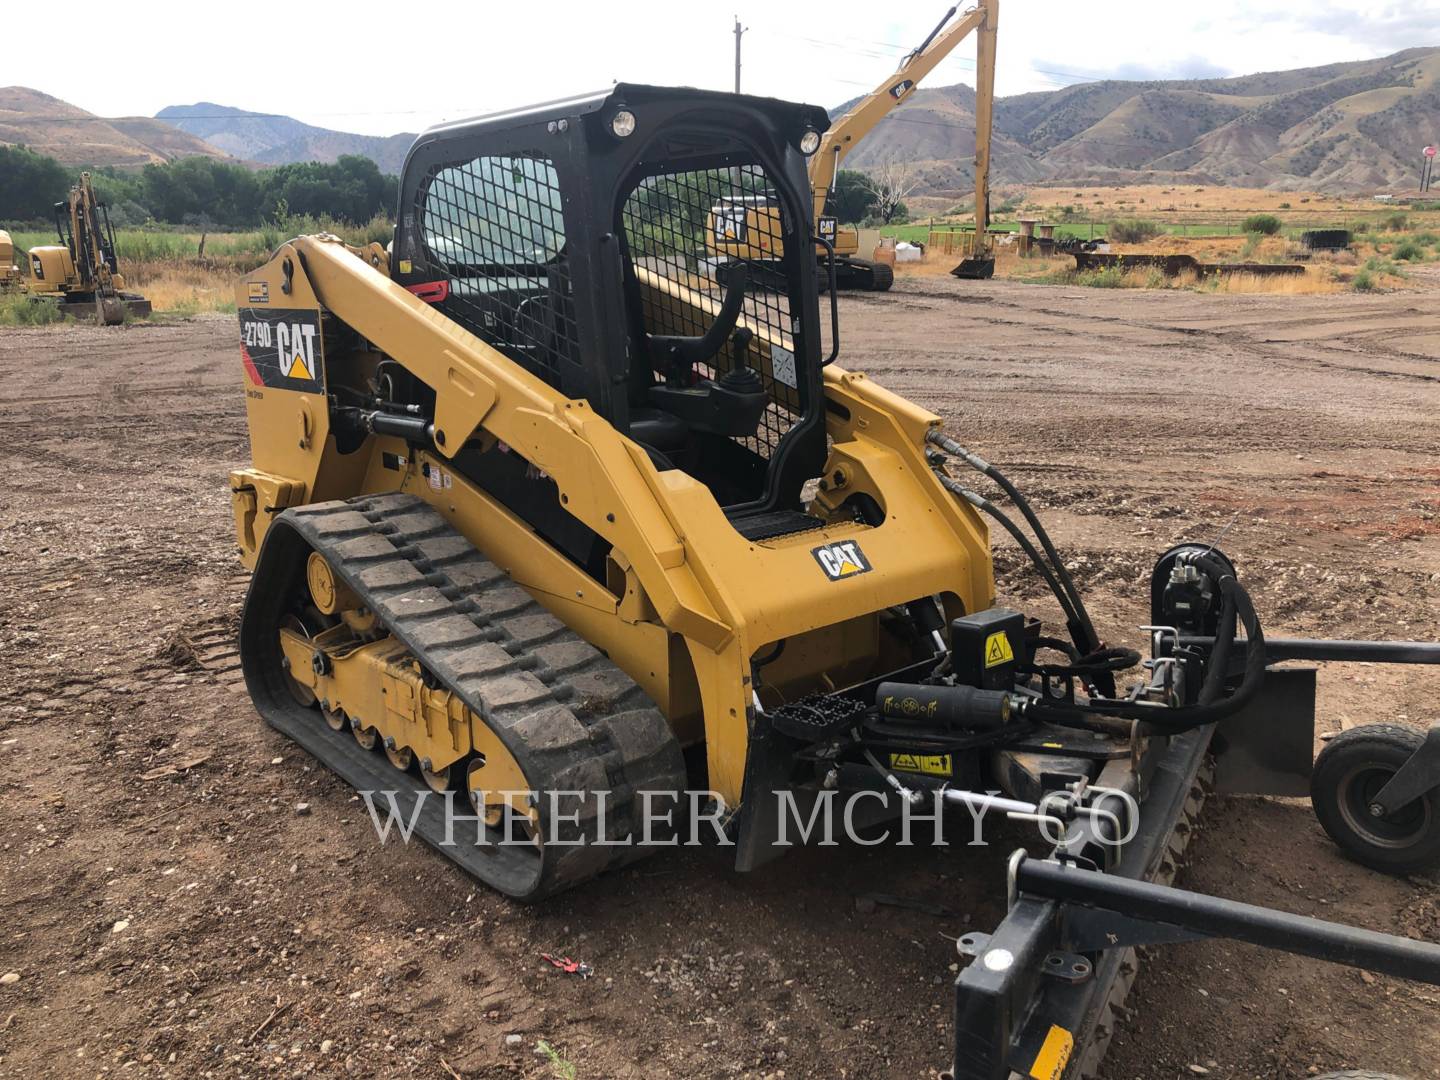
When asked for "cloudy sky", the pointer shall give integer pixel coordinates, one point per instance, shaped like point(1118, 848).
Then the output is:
point(385, 67)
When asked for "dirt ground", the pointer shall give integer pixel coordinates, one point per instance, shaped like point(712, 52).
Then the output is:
point(172, 911)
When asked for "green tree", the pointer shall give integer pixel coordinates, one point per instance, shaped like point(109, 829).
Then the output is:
point(854, 197)
point(1263, 224)
point(30, 184)
point(201, 190)
point(352, 189)
point(124, 193)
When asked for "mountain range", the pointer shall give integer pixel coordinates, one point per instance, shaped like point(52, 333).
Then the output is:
point(78, 138)
point(275, 140)
point(1342, 127)
point(75, 137)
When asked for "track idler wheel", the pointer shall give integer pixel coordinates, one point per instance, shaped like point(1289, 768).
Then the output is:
point(498, 793)
point(331, 595)
point(1349, 772)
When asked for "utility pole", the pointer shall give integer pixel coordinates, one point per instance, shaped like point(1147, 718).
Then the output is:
point(738, 31)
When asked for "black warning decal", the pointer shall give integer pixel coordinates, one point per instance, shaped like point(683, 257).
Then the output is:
point(841, 559)
point(282, 349)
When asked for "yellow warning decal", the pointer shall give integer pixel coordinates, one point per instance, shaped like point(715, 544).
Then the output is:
point(1054, 1055)
point(997, 649)
point(928, 765)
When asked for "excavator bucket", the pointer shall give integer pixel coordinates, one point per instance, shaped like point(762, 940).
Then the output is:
point(106, 310)
point(974, 269)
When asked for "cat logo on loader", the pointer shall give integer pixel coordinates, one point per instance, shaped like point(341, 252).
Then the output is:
point(842, 559)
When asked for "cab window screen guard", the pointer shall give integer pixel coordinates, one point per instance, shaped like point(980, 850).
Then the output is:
point(692, 228)
point(494, 229)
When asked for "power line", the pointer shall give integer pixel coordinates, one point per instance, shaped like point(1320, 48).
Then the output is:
point(900, 50)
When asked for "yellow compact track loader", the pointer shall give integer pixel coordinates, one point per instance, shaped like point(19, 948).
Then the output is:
point(594, 546)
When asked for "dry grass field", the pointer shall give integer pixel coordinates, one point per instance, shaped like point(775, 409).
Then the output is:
point(1160, 198)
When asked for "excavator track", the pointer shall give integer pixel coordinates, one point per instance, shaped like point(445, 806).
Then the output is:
point(571, 719)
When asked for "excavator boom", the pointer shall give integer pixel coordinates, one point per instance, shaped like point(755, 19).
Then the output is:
point(842, 136)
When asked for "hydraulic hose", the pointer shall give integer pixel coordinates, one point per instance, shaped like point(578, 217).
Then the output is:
point(1100, 664)
point(1083, 630)
point(1058, 645)
point(975, 499)
point(1112, 660)
point(1220, 655)
point(1237, 609)
point(1096, 667)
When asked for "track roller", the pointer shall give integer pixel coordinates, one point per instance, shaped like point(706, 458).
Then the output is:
point(390, 618)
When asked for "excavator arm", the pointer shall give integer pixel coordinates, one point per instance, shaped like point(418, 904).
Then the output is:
point(842, 136)
point(83, 273)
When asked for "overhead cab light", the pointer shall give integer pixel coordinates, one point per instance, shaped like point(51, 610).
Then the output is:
point(809, 142)
point(623, 124)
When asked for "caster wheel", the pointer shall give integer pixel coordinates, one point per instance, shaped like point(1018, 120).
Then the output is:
point(1348, 774)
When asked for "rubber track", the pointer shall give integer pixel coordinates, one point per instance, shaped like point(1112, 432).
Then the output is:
point(572, 719)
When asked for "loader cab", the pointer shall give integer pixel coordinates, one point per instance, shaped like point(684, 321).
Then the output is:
point(574, 237)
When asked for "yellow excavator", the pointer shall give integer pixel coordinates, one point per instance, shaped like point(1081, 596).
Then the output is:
point(744, 226)
point(81, 273)
point(564, 550)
